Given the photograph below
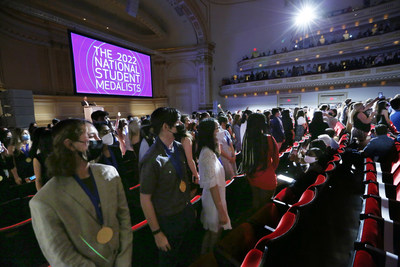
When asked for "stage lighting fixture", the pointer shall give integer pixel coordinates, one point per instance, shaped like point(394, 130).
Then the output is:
point(305, 16)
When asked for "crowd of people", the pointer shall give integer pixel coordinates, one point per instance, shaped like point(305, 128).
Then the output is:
point(362, 62)
point(80, 213)
point(342, 35)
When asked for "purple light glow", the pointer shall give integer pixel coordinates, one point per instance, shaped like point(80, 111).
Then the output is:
point(105, 69)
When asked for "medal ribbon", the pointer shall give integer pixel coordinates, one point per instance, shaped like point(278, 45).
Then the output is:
point(227, 139)
point(26, 150)
point(94, 197)
point(175, 159)
point(113, 161)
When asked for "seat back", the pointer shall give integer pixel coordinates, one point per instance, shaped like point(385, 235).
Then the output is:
point(306, 198)
point(321, 179)
point(286, 223)
point(363, 259)
point(370, 233)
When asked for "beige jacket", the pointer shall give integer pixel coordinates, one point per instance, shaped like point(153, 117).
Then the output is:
point(66, 225)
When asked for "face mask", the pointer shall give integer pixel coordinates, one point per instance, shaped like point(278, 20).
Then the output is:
point(309, 159)
point(7, 141)
point(94, 151)
point(180, 131)
point(108, 139)
point(25, 137)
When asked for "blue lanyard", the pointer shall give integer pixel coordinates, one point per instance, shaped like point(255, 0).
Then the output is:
point(113, 161)
point(175, 159)
point(25, 150)
point(228, 140)
point(94, 196)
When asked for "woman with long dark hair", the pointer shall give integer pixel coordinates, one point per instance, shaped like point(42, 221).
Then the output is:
point(214, 215)
point(317, 125)
point(288, 128)
point(81, 217)
point(260, 159)
point(382, 115)
point(42, 142)
point(187, 140)
point(301, 125)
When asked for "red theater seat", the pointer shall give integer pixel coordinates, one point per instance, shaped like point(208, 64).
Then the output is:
point(306, 198)
point(286, 223)
point(321, 179)
point(372, 207)
point(370, 176)
point(371, 234)
point(253, 258)
point(363, 259)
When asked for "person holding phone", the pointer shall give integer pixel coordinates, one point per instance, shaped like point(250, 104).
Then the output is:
point(22, 165)
point(382, 114)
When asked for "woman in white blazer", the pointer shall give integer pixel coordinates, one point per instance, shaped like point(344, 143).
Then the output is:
point(81, 217)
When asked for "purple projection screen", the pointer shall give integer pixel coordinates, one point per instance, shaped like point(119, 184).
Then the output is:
point(105, 69)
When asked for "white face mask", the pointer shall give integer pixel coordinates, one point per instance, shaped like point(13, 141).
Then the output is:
point(309, 159)
point(108, 139)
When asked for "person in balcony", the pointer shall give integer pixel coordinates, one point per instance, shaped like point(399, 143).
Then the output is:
point(346, 36)
point(321, 40)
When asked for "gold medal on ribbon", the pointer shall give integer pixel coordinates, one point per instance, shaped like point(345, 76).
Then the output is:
point(1, 178)
point(28, 160)
point(182, 186)
point(104, 235)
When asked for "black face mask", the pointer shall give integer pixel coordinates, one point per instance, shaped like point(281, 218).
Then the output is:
point(7, 141)
point(94, 151)
point(180, 131)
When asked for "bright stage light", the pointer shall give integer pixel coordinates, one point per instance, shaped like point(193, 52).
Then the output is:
point(305, 16)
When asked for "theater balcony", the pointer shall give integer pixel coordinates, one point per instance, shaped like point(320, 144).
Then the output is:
point(333, 27)
point(363, 46)
point(373, 39)
point(383, 75)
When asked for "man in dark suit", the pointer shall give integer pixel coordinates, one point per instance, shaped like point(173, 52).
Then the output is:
point(85, 103)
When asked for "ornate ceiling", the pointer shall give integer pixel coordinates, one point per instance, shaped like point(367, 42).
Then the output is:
point(157, 24)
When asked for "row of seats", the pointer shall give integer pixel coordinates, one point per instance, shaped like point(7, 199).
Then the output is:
point(24, 251)
point(270, 249)
point(378, 240)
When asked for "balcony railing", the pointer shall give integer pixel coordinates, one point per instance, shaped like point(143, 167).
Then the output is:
point(341, 49)
point(390, 73)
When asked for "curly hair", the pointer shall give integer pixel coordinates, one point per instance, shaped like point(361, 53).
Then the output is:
point(62, 161)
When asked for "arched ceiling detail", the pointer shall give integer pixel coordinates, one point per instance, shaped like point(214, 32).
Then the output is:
point(157, 24)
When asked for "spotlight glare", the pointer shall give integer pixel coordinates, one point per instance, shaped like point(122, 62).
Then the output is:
point(305, 17)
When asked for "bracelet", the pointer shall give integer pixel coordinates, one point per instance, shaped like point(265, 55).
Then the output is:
point(156, 231)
